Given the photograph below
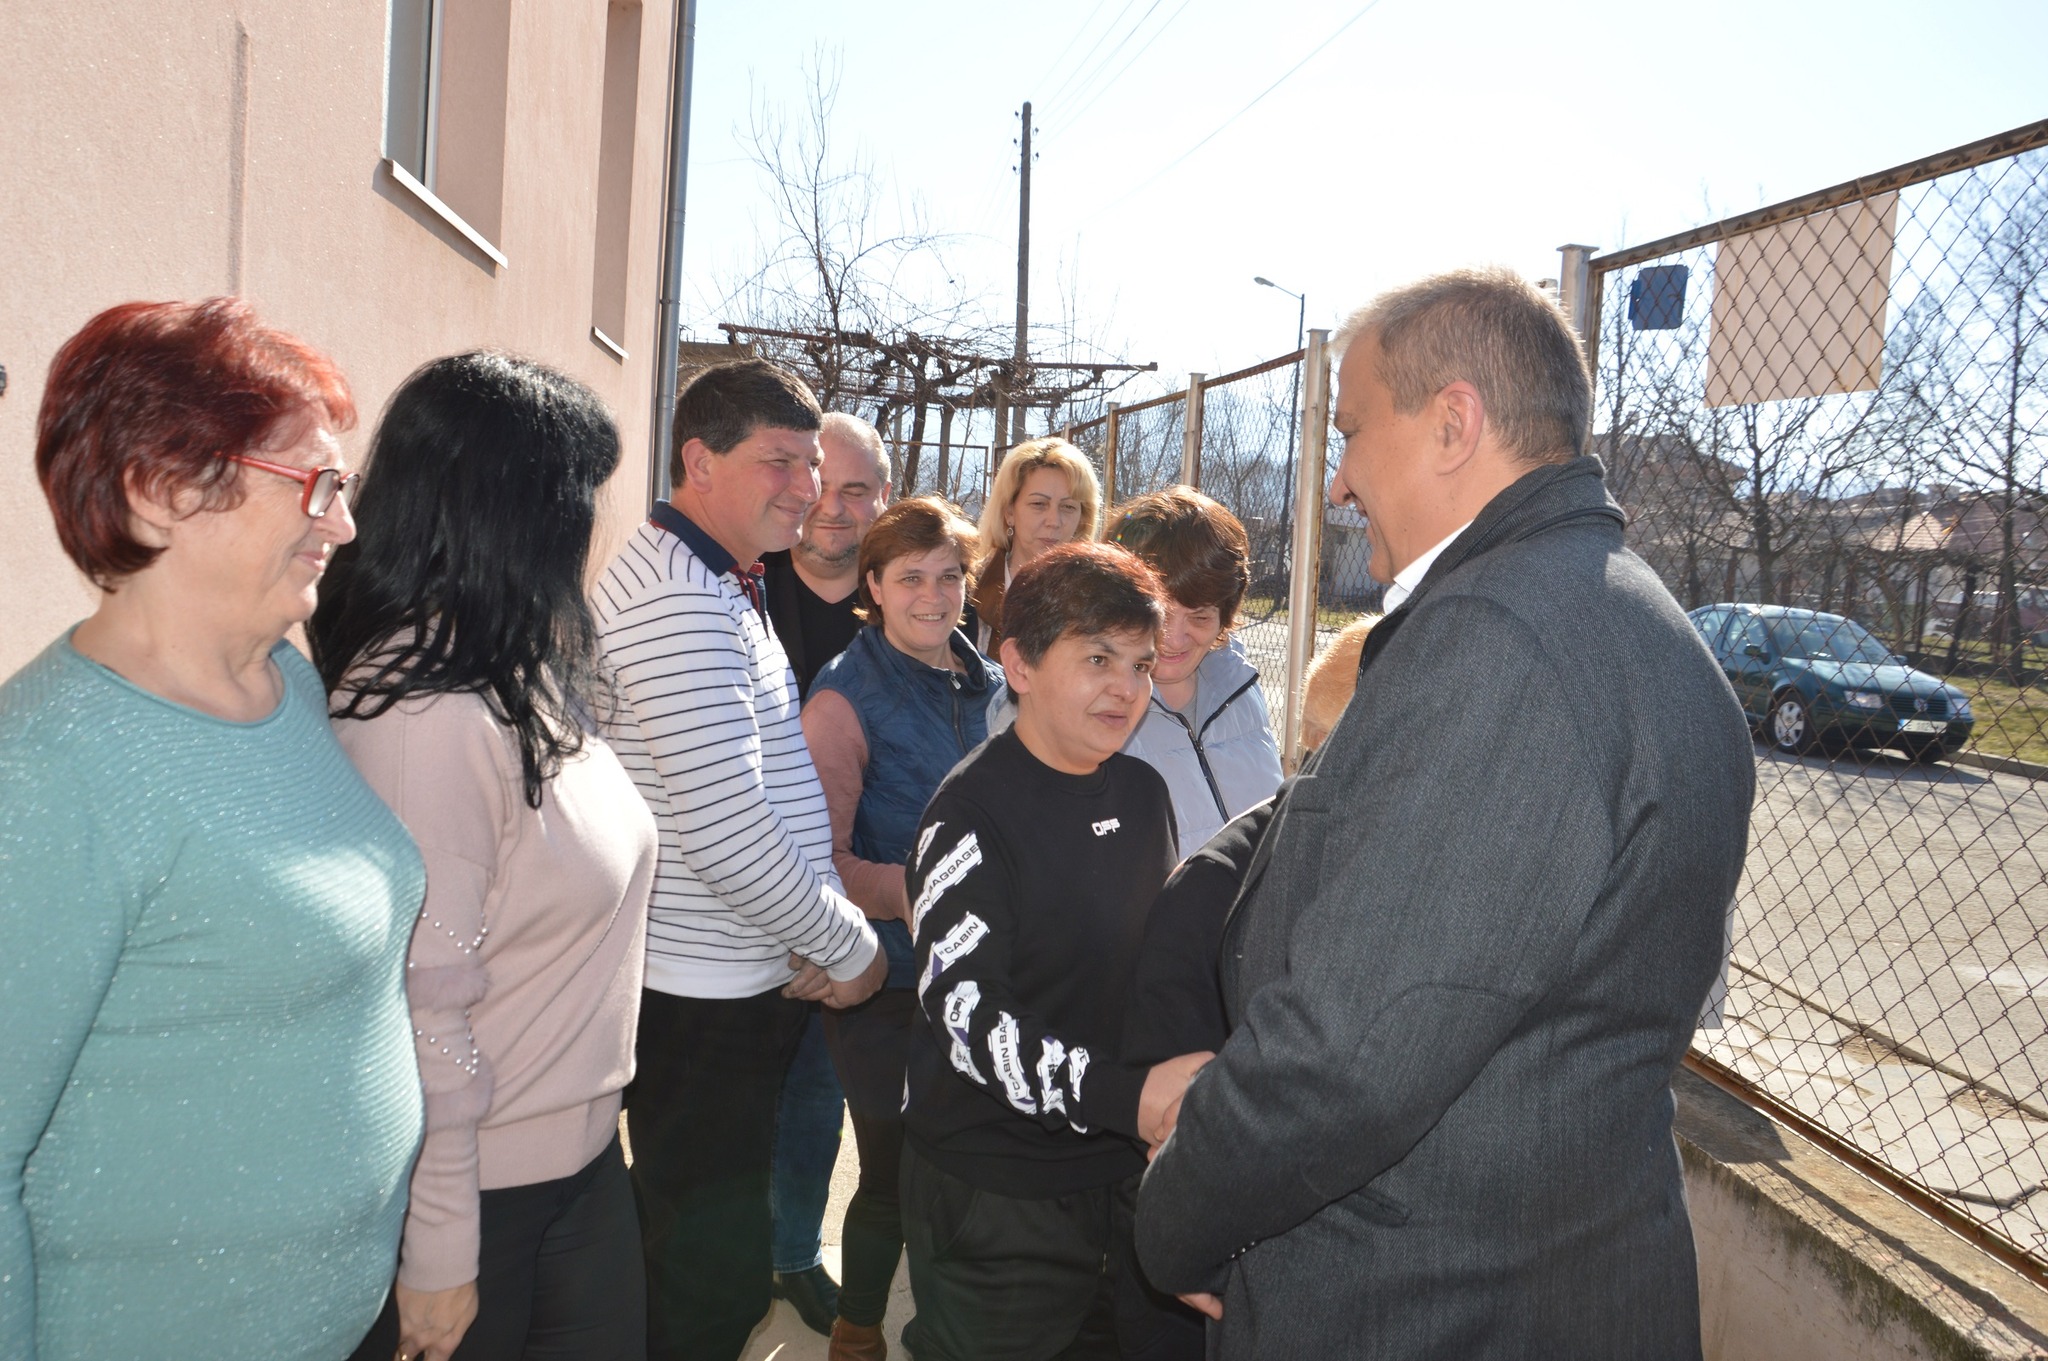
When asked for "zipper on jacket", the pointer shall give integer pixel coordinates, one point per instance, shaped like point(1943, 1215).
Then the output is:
point(1195, 740)
point(959, 729)
point(1233, 698)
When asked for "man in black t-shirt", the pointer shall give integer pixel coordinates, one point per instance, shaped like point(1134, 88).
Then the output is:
point(813, 587)
point(1036, 863)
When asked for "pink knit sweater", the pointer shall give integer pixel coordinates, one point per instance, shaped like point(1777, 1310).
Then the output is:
point(524, 976)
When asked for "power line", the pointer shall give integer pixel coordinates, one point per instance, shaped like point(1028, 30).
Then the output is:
point(1086, 24)
point(1088, 83)
point(1073, 73)
point(1105, 87)
point(1314, 52)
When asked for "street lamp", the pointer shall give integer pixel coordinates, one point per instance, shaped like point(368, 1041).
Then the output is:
point(1294, 402)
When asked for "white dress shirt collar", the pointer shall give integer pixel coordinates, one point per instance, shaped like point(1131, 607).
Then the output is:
point(1408, 578)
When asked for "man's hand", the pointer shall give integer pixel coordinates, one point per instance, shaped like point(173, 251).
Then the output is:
point(1204, 1303)
point(1159, 1102)
point(431, 1322)
point(811, 983)
point(855, 991)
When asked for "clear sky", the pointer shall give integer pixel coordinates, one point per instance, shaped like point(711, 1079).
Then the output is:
point(1428, 134)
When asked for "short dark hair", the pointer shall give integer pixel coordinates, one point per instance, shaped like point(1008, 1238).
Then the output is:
point(1199, 549)
point(466, 573)
point(1084, 588)
point(918, 525)
point(154, 394)
point(728, 402)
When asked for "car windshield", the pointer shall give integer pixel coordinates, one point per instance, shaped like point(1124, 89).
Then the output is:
point(1820, 638)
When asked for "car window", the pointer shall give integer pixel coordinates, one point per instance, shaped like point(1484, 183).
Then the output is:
point(1824, 639)
point(1710, 623)
point(1748, 632)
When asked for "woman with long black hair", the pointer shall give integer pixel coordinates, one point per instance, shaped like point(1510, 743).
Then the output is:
point(462, 664)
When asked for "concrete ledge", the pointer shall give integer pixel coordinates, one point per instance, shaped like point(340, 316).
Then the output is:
point(2005, 765)
point(1800, 1256)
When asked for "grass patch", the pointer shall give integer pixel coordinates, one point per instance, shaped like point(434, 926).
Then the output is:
point(1934, 648)
point(1265, 607)
point(2010, 721)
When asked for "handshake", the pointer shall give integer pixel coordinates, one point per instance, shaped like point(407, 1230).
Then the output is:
point(1159, 1102)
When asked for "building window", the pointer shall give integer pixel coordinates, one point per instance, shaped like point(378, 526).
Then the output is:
point(444, 127)
point(618, 119)
point(409, 102)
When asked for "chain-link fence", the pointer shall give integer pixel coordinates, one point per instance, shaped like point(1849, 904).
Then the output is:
point(1828, 422)
point(1248, 447)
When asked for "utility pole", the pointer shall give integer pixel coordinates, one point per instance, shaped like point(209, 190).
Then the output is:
point(1017, 373)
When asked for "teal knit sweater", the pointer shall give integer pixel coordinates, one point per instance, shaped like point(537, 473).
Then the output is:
point(209, 1104)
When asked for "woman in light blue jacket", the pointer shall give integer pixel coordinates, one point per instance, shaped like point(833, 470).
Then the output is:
point(1207, 730)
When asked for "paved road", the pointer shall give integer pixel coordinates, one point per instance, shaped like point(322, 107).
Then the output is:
point(1891, 976)
point(1913, 900)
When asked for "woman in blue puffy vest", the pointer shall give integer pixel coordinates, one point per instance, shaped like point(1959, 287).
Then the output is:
point(885, 721)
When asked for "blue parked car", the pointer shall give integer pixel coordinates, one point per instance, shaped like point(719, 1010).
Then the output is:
point(1807, 679)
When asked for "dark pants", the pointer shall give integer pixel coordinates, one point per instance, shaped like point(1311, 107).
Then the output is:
point(807, 1122)
point(1002, 1279)
point(558, 1274)
point(870, 1046)
point(701, 1115)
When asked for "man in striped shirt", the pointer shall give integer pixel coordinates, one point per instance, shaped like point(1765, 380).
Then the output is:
point(746, 920)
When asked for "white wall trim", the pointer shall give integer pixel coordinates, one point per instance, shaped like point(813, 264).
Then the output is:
point(405, 180)
point(608, 345)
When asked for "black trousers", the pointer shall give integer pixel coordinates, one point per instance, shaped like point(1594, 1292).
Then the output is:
point(1001, 1279)
point(701, 1116)
point(558, 1273)
point(870, 1046)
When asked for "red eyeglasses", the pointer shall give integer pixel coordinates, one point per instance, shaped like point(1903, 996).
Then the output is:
point(322, 484)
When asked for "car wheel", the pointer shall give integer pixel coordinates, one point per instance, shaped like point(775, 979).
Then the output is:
point(1790, 724)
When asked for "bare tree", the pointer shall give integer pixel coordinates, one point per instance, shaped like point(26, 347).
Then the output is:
point(848, 268)
point(2000, 405)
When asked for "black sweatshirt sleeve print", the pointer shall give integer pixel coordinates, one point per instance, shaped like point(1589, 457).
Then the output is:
point(965, 921)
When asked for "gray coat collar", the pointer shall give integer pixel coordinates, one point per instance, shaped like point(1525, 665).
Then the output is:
point(1551, 496)
point(1541, 500)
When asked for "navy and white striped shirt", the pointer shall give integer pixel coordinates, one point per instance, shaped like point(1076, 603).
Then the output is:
point(708, 729)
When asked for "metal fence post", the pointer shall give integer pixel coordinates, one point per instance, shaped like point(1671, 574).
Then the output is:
point(1191, 435)
point(1595, 301)
point(1308, 535)
point(1109, 452)
point(1571, 287)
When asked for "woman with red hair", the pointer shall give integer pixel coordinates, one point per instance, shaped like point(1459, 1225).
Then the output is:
point(208, 1097)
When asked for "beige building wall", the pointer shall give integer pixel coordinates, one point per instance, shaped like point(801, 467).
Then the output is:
point(184, 148)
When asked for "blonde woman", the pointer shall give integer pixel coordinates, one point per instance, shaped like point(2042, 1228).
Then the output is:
point(1045, 494)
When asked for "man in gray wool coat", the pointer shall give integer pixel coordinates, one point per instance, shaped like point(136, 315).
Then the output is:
point(1471, 949)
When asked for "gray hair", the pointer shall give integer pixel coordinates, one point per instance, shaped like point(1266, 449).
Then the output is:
point(856, 431)
point(1500, 333)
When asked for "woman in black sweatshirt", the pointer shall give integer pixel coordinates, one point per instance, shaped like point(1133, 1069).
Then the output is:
point(1036, 864)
